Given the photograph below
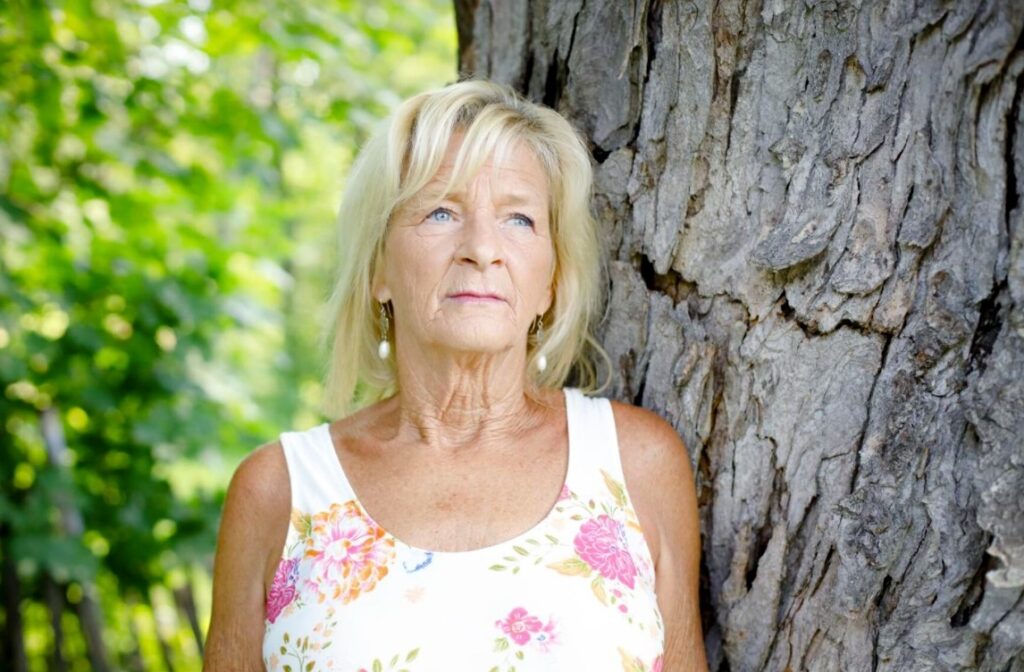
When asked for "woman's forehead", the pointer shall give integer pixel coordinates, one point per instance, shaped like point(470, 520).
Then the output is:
point(516, 172)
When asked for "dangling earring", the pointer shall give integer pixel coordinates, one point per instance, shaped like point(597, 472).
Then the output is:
point(384, 347)
point(542, 361)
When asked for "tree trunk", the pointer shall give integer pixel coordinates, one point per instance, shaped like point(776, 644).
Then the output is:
point(54, 595)
point(184, 598)
point(817, 274)
point(87, 609)
point(13, 651)
point(133, 659)
point(166, 650)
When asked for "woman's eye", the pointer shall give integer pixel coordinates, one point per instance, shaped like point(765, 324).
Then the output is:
point(440, 215)
point(522, 219)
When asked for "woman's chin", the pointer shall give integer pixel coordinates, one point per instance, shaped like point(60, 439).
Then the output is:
point(467, 345)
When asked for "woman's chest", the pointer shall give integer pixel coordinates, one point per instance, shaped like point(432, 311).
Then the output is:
point(536, 604)
point(458, 504)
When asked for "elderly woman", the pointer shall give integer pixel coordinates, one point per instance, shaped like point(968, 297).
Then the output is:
point(464, 511)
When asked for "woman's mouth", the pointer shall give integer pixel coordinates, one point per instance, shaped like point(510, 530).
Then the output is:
point(476, 297)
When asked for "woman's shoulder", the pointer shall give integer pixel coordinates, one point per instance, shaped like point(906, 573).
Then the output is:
point(649, 424)
point(262, 468)
point(656, 464)
point(259, 493)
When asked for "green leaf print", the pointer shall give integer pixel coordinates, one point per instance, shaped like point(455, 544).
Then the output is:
point(310, 665)
point(520, 550)
point(571, 567)
point(500, 644)
point(498, 568)
point(614, 487)
point(378, 666)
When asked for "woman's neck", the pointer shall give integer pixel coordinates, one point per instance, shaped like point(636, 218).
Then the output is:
point(455, 401)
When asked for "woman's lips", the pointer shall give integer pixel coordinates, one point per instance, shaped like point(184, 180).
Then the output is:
point(471, 297)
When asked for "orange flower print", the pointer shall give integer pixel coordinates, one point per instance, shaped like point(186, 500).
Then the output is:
point(349, 553)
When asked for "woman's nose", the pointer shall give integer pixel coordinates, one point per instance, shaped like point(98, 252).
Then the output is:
point(481, 242)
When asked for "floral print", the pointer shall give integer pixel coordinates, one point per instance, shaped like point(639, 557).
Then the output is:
point(601, 543)
point(521, 626)
point(348, 552)
point(526, 632)
point(397, 663)
point(600, 549)
point(302, 652)
point(282, 591)
point(634, 664)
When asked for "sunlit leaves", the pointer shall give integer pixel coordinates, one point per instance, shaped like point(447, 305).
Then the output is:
point(169, 174)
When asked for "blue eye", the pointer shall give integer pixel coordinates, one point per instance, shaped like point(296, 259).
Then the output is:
point(526, 221)
point(440, 212)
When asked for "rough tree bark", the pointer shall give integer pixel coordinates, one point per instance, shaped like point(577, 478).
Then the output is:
point(813, 214)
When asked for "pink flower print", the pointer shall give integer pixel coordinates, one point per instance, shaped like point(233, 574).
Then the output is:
point(282, 590)
point(546, 637)
point(519, 625)
point(646, 570)
point(565, 494)
point(601, 543)
point(656, 665)
point(350, 553)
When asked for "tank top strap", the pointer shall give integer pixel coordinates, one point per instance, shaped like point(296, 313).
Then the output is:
point(600, 479)
point(593, 438)
point(313, 469)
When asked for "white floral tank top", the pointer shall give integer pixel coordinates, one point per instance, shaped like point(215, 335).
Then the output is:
point(575, 592)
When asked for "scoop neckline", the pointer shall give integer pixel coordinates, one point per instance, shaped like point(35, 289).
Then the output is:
point(567, 392)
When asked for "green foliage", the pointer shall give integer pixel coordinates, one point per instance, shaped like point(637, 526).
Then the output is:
point(169, 173)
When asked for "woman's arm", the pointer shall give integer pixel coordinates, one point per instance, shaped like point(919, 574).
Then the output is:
point(253, 528)
point(661, 484)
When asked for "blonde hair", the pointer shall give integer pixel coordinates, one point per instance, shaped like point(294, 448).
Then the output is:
point(398, 160)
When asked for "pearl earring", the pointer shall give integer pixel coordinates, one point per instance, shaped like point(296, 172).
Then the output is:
point(542, 361)
point(384, 347)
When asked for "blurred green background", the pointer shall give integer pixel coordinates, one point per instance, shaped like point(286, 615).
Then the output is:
point(170, 174)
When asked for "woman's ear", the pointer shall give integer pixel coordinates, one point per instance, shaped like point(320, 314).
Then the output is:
point(378, 288)
point(549, 291)
point(547, 300)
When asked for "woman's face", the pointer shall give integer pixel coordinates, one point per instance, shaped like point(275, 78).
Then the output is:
point(471, 272)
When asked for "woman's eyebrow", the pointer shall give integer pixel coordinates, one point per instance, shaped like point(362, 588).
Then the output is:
point(502, 199)
point(518, 199)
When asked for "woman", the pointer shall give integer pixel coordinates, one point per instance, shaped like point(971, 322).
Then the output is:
point(473, 514)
